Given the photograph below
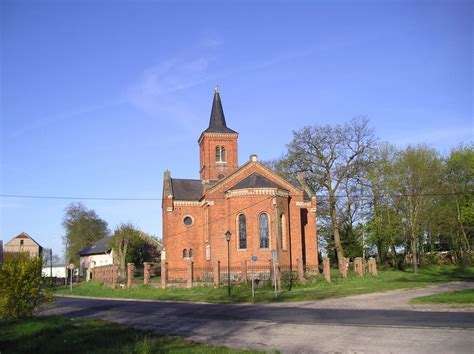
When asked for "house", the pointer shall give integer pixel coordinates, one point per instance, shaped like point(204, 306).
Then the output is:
point(56, 271)
point(100, 253)
point(24, 243)
point(262, 211)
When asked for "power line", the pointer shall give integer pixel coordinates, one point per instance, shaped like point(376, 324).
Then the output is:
point(320, 196)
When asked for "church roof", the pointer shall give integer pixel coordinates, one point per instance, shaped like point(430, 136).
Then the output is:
point(217, 122)
point(186, 189)
point(255, 180)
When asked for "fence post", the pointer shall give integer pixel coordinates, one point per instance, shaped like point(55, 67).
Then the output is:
point(146, 273)
point(216, 272)
point(358, 266)
point(300, 269)
point(244, 271)
point(164, 274)
point(343, 268)
point(130, 270)
point(272, 278)
point(372, 266)
point(189, 283)
point(326, 269)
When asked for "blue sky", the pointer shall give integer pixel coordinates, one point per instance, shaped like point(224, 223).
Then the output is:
point(98, 98)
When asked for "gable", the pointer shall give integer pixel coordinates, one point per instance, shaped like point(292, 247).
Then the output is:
point(255, 180)
point(248, 169)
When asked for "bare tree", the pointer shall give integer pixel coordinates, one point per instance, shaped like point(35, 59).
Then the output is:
point(328, 157)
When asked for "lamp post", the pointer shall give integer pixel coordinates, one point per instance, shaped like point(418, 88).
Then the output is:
point(227, 237)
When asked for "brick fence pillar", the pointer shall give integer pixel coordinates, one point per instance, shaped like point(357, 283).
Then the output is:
point(326, 269)
point(146, 273)
point(244, 271)
point(216, 272)
point(164, 274)
point(372, 266)
point(189, 274)
point(130, 274)
point(300, 269)
point(358, 266)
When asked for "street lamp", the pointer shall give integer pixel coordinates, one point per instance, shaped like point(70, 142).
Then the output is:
point(227, 237)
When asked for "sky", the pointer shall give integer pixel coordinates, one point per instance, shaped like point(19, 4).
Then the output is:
point(98, 98)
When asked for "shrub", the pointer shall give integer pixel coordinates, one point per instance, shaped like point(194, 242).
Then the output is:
point(22, 288)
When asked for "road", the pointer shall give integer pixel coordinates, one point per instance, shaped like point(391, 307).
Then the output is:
point(287, 327)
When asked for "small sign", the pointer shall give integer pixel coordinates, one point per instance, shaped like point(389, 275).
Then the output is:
point(274, 254)
point(253, 258)
point(71, 266)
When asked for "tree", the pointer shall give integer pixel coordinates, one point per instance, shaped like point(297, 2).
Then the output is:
point(123, 237)
point(328, 157)
point(22, 288)
point(83, 227)
point(416, 177)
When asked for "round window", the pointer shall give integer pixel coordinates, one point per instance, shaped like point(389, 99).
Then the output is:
point(221, 176)
point(188, 221)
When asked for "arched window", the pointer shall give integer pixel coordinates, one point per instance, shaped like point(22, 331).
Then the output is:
point(185, 253)
point(220, 154)
point(190, 252)
point(282, 231)
point(263, 231)
point(242, 232)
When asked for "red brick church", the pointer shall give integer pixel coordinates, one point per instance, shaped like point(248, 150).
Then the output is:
point(262, 210)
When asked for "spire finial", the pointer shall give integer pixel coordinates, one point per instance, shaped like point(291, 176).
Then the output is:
point(216, 89)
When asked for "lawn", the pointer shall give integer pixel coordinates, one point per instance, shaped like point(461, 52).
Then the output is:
point(314, 289)
point(61, 335)
point(454, 297)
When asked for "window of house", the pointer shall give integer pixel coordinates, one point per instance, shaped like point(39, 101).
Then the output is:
point(282, 231)
point(263, 231)
point(220, 154)
point(242, 232)
point(190, 252)
point(185, 253)
point(22, 242)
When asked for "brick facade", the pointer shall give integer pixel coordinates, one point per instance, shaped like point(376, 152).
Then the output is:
point(291, 215)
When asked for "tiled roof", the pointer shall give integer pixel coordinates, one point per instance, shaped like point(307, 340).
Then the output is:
point(186, 189)
point(101, 246)
point(255, 180)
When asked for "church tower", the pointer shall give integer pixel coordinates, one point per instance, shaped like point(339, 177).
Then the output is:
point(217, 145)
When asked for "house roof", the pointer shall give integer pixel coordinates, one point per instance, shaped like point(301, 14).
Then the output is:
point(186, 189)
point(101, 246)
point(217, 122)
point(24, 235)
point(255, 180)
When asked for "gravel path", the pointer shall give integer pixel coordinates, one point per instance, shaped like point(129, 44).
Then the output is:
point(391, 300)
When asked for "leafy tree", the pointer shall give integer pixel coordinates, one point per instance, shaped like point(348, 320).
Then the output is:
point(123, 236)
point(22, 288)
point(330, 158)
point(83, 227)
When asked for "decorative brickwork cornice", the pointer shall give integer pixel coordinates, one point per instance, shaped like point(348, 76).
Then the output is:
point(192, 203)
point(303, 204)
point(257, 191)
point(218, 135)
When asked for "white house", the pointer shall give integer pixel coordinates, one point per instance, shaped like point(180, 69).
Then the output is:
point(97, 254)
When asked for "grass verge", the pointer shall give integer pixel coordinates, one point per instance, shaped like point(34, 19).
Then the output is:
point(314, 289)
point(60, 335)
point(454, 297)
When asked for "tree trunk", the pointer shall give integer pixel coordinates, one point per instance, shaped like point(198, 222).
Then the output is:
point(335, 227)
point(414, 257)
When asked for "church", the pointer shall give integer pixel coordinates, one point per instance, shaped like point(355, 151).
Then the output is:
point(260, 211)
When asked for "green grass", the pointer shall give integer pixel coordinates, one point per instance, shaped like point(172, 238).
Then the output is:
point(315, 289)
point(61, 335)
point(454, 297)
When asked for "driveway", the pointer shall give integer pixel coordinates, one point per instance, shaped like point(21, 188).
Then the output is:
point(349, 324)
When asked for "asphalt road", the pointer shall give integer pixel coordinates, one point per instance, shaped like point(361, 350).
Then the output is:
point(287, 328)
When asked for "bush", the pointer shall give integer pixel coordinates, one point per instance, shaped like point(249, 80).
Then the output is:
point(22, 288)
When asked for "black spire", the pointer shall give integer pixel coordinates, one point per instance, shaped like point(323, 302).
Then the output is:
point(217, 122)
